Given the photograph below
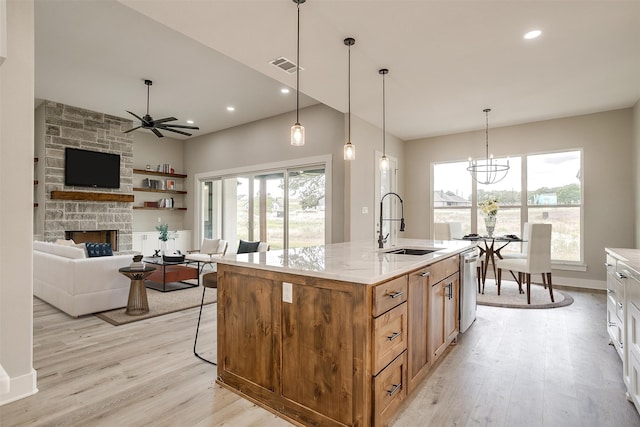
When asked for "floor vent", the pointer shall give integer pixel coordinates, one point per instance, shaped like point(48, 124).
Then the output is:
point(285, 65)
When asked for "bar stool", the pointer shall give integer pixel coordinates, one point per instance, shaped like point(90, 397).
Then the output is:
point(209, 280)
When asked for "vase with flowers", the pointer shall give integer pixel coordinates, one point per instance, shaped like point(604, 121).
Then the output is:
point(490, 208)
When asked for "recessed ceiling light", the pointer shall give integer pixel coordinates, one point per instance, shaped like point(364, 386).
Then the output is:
point(190, 122)
point(284, 90)
point(230, 108)
point(532, 34)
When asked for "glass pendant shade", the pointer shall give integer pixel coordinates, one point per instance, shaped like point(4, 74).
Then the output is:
point(349, 151)
point(297, 135)
point(384, 163)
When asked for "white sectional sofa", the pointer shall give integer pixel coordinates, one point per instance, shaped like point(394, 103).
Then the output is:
point(64, 277)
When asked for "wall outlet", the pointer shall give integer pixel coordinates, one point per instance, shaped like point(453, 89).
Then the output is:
point(365, 210)
point(287, 292)
point(159, 220)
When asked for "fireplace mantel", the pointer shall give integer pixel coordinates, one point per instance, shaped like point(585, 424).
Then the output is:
point(91, 196)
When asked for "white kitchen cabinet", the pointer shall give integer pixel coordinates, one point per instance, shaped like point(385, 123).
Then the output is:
point(615, 303)
point(632, 324)
point(146, 242)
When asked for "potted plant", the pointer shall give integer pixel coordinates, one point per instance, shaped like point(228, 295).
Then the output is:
point(163, 229)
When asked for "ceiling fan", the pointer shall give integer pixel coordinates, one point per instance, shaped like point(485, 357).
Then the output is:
point(147, 122)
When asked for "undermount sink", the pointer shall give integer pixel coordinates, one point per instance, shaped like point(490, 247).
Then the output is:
point(410, 251)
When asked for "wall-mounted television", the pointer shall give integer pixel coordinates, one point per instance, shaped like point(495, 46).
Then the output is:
point(84, 168)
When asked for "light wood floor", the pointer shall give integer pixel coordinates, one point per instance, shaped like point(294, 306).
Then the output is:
point(512, 368)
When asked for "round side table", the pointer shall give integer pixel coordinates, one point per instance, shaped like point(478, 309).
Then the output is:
point(137, 303)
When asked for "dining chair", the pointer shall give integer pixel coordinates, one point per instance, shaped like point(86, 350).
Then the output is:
point(453, 230)
point(537, 260)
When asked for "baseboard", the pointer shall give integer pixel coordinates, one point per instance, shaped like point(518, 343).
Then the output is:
point(20, 387)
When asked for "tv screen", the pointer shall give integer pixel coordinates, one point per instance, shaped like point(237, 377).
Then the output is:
point(83, 168)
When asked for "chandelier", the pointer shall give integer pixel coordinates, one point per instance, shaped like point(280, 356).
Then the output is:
point(487, 171)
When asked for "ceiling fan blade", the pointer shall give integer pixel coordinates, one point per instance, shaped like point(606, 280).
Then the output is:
point(158, 134)
point(172, 130)
point(183, 127)
point(166, 119)
point(132, 129)
point(135, 115)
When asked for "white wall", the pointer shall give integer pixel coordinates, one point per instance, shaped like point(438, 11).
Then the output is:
point(148, 149)
point(267, 141)
point(609, 192)
point(636, 167)
point(360, 181)
point(16, 199)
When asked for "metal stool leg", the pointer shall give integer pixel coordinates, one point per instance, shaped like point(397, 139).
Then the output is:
point(195, 342)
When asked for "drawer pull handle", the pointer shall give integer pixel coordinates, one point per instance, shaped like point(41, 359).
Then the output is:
point(611, 291)
point(611, 324)
point(394, 389)
point(606, 264)
point(621, 275)
point(393, 336)
point(425, 274)
point(396, 294)
point(620, 305)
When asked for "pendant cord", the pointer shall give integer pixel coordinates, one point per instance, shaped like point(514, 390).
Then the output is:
point(487, 133)
point(298, 70)
point(384, 131)
point(148, 99)
point(349, 86)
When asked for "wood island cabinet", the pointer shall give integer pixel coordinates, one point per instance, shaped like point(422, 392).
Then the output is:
point(328, 352)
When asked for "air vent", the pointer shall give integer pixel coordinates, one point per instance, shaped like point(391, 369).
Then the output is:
point(285, 65)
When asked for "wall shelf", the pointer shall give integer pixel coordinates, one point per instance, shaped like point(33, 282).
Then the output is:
point(159, 209)
point(150, 172)
point(90, 196)
point(153, 190)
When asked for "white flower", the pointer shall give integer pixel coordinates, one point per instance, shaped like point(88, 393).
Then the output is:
point(489, 207)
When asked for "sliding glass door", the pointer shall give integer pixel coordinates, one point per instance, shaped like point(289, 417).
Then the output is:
point(284, 208)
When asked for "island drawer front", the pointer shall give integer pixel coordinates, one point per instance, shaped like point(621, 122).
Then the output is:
point(389, 294)
point(443, 269)
point(390, 336)
point(389, 390)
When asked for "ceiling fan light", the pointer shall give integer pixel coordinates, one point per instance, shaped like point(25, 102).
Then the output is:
point(297, 135)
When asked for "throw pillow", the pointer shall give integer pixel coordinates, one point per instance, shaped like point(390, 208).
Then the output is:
point(82, 246)
point(209, 246)
point(99, 249)
point(63, 242)
point(247, 247)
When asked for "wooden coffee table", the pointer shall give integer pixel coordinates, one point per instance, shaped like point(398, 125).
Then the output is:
point(170, 276)
point(137, 303)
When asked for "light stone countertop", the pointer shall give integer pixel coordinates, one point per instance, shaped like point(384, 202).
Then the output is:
point(358, 262)
point(630, 257)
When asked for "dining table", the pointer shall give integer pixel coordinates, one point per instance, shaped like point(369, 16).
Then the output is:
point(492, 247)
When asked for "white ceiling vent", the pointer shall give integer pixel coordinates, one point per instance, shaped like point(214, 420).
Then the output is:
point(285, 65)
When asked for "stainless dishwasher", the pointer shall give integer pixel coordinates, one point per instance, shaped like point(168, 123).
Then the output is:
point(468, 280)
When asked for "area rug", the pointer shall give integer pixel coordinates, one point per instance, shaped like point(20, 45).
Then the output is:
point(161, 303)
point(510, 297)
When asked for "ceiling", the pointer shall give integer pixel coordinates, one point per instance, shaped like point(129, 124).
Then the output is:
point(448, 60)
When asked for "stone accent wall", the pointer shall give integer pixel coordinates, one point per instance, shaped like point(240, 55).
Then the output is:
point(67, 126)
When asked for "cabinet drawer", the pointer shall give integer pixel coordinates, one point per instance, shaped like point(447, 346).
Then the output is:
point(389, 389)
point(389, 336)
point(443, 269)
point(389, 294)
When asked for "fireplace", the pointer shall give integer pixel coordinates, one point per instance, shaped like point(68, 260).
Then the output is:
point(94, 236)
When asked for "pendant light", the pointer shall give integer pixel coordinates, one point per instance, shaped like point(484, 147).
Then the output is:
point(297, 130)
point(349, 148)
point(487, 171)
point(384, 161)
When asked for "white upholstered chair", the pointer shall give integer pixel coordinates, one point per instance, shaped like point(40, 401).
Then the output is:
point(209, 251)
point(536, 261)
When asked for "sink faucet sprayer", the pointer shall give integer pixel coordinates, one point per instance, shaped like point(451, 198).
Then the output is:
point(381, 239)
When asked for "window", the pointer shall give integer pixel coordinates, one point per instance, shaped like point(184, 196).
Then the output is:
point(553, 195)
point(282, 207)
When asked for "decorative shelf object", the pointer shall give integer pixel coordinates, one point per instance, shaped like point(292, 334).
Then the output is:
point(91, 196)
point(151, 172)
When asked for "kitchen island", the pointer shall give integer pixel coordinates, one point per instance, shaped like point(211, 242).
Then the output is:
point(339, 334)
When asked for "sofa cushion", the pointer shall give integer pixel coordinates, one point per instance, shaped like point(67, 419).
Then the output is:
point(209, 246)
point(64, 242)
point(247, 247)
point(99, 249)
point(70, 252)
